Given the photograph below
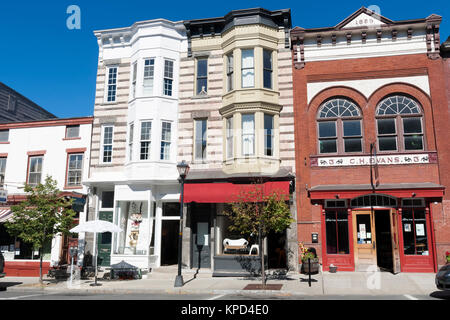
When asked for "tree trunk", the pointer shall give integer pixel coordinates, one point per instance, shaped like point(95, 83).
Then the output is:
point(261, 252)
point(40, 264)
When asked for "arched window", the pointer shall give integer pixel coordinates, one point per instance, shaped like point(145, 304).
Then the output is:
point(339, 127)
point(399, 124)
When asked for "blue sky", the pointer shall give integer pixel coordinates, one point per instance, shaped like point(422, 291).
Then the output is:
point(56, 67)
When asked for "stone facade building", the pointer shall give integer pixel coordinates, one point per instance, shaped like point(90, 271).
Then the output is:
point(235, 127)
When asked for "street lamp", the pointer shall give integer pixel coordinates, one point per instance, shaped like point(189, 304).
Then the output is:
point(183, 170)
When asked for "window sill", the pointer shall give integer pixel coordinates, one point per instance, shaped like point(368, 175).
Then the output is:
point(201, 96)
point(73, 187)
point(75, 138)
point(4, 142)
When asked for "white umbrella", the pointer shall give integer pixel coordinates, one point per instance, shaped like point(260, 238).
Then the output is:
point(96, 226)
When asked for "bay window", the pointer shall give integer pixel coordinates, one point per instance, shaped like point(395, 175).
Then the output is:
point(130, 142)
point(229, 143)
point(149, 71)
point(268, 135)
point(248, 134)
point(133, 81)
point(267, 69)
point(248, 68)
point(165, 140)
point(146, 132)
point(230, 72)
point(168, 77)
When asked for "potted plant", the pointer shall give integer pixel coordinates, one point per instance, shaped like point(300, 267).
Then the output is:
point(309, 258)
point(447, 255)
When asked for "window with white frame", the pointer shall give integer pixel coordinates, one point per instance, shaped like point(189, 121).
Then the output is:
point(200, 139)
point(399, 124)
point(130, 141)
point(248, 134)
point(146, 133)
point(34, 170)
point(229, 144)
point(107, 143)
point(149, 72)
point(74, 169)
point(168, 77)
point(133, 81)
point(248, 68)
point(230, 72)
point(166, 128)
point(111, 84)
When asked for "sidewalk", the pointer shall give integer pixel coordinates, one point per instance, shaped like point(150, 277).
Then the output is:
point(341, 283)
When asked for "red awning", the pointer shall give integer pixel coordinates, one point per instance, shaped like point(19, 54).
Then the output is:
point(229, 192)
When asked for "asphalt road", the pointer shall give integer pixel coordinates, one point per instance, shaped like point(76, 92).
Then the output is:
point(34, 295)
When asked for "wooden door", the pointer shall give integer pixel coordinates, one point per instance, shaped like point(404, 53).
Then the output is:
point(395, 246)
point(364, 240)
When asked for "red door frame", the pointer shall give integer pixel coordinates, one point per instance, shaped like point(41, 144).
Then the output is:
point(339, 260)
point(409, 263)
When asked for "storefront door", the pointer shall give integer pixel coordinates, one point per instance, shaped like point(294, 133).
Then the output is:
point(201, 246)
point(104, 242)
point(364, 240)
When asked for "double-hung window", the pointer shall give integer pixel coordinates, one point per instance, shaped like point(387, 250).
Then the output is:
point(130, 142)
point(200, 139)
point(74, 169)
point(268, 135)
point(339, 127)
point(166, 128)
point(34, 170)
point(168, 77)
point(72, 131)
point(112, 84)
point(149, 72)
point(4, 135)
point(248, 134)
point(107, 143)
point(399, 124)
point(268, 69)
point(202, 76)
point(248, 68)
point(230, 72)
point(133, 81)
point(229, 144)
point(2, 170)
point(146, 134)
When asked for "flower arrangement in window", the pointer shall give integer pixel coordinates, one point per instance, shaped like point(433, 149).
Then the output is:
point(136, 218)
point(447, 255)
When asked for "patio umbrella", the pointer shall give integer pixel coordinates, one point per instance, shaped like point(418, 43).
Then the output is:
point(96, 226)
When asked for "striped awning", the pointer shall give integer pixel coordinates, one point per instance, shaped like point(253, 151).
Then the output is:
point(5, 215)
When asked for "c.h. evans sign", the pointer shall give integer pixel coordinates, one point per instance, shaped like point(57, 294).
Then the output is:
point(366, 160)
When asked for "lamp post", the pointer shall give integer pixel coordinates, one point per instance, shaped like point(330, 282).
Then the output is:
point(183, 170)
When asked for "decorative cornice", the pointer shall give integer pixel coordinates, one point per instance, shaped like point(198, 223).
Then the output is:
point(257, 106)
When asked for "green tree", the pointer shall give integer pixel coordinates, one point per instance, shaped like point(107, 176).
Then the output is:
point(256, 213)
point(44, 214)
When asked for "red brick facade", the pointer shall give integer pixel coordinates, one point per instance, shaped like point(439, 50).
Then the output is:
point(436, 121)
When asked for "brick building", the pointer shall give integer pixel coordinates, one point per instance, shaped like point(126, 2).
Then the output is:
point(372, 83)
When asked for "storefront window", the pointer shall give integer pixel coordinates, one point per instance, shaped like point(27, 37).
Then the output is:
point(415, 240)
point(336, 223)
point(15, 249)
point(223, 232)
point(137, 228)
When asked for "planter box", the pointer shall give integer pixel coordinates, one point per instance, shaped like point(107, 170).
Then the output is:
point(314, 266)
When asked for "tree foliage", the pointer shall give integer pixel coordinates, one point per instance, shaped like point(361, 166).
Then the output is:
point(44, 214)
